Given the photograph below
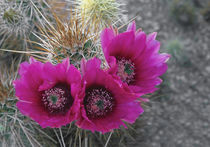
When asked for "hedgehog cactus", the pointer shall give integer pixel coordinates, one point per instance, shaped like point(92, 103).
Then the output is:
point(100, 13)
point(13, 22)
point(17, 21)
point(183, 12)
point(70, 38)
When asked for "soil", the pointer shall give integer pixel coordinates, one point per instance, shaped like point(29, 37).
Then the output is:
point(179, 114)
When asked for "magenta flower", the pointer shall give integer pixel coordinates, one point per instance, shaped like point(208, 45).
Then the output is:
point(48, 93)
point(134, 59)
point(104, 104)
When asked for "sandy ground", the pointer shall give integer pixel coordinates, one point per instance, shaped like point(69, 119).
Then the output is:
point(179, 116)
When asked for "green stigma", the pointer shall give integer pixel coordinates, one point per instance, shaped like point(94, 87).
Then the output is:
point(100, 104)
point(128, 69)
point(54, 99)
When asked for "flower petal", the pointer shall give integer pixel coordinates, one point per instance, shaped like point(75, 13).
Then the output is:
point(106, 36)
point(94, 76)
point(37, 77)
point(132, 27)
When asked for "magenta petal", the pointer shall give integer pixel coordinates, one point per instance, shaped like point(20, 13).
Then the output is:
point(114, 121)
point(66, 63)
point(90, 68)
point(141, 51)
point(121, 44)
point(32, 77)
point(74, 79)
point(133, 110)
point(153, 47)
point(139, 45)
point(49, 72)
point(73, 75)
point(24, 92)
point(106, 36)
point(33, 111)
point(32, 60)
point(132, 27)
point(112, 63)
point(23, 68)
point(94, 77)
point(93, 64)
point(37, 79)
point(151, 36)
point(82, 66)
point(49, 75)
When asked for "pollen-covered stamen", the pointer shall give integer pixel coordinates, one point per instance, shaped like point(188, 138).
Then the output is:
point(126, 70)
point(58, 99)
point(98, 102)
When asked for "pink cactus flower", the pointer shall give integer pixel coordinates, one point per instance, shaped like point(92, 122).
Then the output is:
point(133, 58)
point(104, 104)
point(48, 93)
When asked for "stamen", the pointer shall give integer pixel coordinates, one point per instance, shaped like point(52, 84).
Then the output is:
point(57, 99)
point(98, 102)
point(126, 70)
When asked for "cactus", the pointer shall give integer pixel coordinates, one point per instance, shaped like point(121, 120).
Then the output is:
point(70, 38)
point(206, 13)
point(175, 48)
point(17, 20)
point(100, 13)
point(183, 12)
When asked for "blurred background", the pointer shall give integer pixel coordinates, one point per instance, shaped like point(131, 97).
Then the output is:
point(179, 112)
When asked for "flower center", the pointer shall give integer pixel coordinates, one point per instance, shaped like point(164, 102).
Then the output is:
point(98, 102)
point(54, 99)
point(58, 99)
point(126, 70)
